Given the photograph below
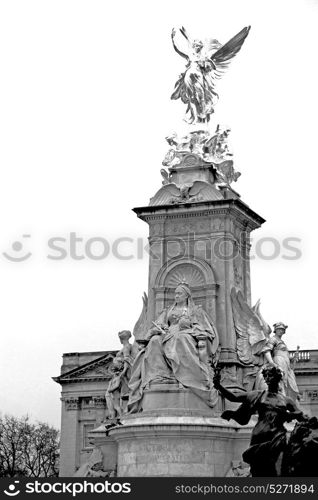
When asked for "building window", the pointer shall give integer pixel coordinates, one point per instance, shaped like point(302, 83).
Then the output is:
point(87, 403)
point(313, 395)
point(86, 429)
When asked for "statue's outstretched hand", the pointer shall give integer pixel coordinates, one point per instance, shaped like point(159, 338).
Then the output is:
point(217, 379)
point(227, 414)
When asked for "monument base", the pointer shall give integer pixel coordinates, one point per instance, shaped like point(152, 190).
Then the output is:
point(178, 445)
point(174, 399)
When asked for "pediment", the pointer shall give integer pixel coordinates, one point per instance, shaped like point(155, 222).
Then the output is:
point(98, 369)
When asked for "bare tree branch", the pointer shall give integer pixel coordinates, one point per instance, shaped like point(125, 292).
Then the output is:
point(27, 449)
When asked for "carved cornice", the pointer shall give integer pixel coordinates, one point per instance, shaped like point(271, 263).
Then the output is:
point(308, 371)
point(97, 370)
point(219, 207)
point(234, 216)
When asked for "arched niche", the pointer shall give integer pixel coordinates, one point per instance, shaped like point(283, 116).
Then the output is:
point(197, 273)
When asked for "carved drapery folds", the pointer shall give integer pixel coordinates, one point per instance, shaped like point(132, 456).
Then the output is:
point(181, 347)
point(116, 395)
point(256, 346)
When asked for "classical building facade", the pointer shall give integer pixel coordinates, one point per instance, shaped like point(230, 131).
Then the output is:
point(305, 366)
point(84, 379)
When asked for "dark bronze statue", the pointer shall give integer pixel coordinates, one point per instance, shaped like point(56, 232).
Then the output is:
point(300, 458)
point(268, 446)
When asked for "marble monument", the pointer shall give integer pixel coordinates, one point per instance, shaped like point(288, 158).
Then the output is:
point(154, 408)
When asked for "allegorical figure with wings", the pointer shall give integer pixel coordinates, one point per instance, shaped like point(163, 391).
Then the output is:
point(255, 346)
point(205, 63)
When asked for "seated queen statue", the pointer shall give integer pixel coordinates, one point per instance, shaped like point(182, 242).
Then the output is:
point(181, 348)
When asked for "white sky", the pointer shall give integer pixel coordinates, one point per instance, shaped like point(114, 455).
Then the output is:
point(84, 109)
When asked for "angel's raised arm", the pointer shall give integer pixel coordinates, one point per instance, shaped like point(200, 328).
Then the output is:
point(235, 398)
point(173, 34)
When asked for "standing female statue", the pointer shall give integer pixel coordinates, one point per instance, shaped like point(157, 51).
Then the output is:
point(205, 63)
point(255, 346)
point(268, 441)
point(117, 391)
point(279, 355)
point(172, 353)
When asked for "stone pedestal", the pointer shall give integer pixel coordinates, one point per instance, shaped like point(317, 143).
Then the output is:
point(178, 445)
point(108, 447)
point(173, 399)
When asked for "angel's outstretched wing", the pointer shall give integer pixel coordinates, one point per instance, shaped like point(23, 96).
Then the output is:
point(210, 145)
point(222, 57)
point(140, 328)
point(266, 328)
point(250, 334)
point(205, 191)
point(166, 195)
point(185, 34)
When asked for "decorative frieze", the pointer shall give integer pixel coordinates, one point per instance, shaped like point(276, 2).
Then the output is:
point(99, 401)
point(72, 403)
point(85, 403)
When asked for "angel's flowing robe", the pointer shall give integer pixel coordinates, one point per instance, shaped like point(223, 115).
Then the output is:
point(280, 355)
point(195, 87)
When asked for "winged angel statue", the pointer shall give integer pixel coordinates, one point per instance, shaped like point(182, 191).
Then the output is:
point(206, 62)
point(255, 346)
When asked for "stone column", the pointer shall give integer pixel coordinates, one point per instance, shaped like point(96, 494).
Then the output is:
point(69, 451)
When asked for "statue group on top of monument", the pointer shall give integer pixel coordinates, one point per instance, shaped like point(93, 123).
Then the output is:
point(206, 62)
point(199, 150)
point(212, 149)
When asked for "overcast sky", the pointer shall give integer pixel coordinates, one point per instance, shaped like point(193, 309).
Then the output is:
point(84, 110)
